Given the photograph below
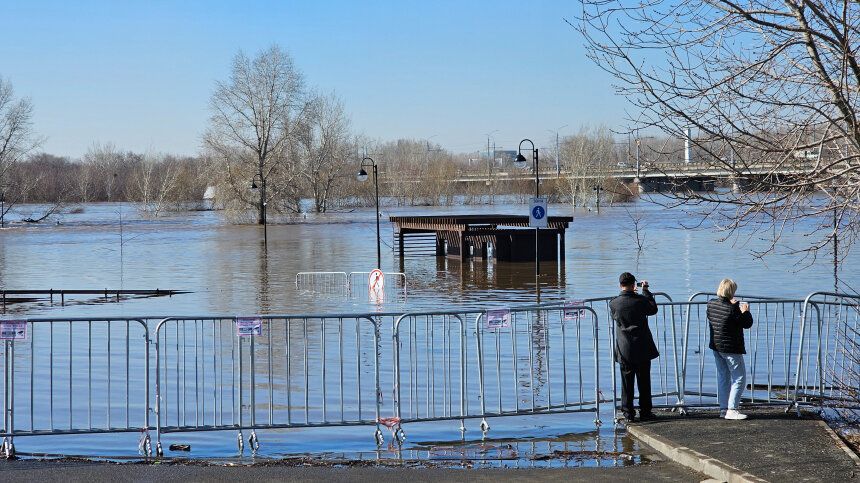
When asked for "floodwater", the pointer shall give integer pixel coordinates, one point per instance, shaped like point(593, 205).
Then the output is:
point(229, 271)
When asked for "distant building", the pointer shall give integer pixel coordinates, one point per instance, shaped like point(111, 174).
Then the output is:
point(502, 156)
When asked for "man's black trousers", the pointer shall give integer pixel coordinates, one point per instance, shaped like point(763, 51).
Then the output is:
point(642, 373)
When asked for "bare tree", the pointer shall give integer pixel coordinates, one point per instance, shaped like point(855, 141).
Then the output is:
point(17, 140)
point(324, 145)
point(769, 91)
point(587, 157)
point(155, 184)
point(252, 127)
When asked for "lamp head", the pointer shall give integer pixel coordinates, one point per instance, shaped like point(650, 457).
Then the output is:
point(362, 175)
point(520, 161)
point(253, 184)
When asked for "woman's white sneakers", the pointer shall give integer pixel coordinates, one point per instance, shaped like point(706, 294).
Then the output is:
point(734, 414)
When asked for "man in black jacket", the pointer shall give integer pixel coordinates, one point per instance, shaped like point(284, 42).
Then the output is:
point(634, 347)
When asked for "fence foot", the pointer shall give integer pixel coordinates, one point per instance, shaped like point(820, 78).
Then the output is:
point(253, 442)
point(485, 426)
point(145, 446)
point(8, 448)
point(158, 450)
point(241, 443)
point(597, 422)
point(400, 435)
point(378, 436)
point(463, 430)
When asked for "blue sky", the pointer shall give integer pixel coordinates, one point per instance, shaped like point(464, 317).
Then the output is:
point(140, 74)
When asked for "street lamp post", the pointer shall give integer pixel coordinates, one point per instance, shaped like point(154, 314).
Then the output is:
point(368, 162)
point(2, 209)
point(598, 189)
point(521, 163)
point(263, 203)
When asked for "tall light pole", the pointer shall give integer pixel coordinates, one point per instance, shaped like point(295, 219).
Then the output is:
point(557, 158)
point(427, 147)
point(521, 163)
point(490, 161)
point(368, 162)
point(262, 189)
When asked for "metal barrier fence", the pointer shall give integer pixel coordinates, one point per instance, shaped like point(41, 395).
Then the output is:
point(333, 283)
point(75, 376)
point(550, 350)
point(829, 363)
point(395, 285)
point(353, 283)
point(279, 372)
point(771, 344)
point(431, 362)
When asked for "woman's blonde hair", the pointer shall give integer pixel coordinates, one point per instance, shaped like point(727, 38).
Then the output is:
point(727, 288)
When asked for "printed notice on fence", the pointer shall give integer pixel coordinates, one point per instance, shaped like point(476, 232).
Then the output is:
point(496, 319)
point(571, 313)
point(13, 329)
point(246, 326)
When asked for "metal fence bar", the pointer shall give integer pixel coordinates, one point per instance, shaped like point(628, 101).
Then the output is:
point(336, 283)
point(83, 398)
point(835, 366)
point(539, 331)
point(770, 343)
point(358, 283)
point(288, 357)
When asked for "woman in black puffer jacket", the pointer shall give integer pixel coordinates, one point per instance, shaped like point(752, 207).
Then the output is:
point(727, 320)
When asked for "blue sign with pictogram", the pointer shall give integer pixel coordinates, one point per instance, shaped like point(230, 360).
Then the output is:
point(537, 213)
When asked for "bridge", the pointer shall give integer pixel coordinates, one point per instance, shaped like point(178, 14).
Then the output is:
point(650, 176)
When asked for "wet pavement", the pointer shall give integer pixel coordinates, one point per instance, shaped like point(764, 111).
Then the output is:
point(770, 445)
point(65, 471)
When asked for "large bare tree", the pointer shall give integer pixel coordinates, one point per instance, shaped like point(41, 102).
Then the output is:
point(252, 126)
point(17, 139)
point(766, 85)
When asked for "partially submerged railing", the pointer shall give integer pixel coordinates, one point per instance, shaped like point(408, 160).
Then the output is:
point(354, 284)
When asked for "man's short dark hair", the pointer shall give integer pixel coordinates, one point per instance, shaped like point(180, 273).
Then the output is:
point(626, 279)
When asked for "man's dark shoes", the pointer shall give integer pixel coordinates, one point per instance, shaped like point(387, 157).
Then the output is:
point(628, 418)
point(647, 416)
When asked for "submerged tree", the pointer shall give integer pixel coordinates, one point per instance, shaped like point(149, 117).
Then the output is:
point(17, 140)
point(252, 126)
point(769, 90)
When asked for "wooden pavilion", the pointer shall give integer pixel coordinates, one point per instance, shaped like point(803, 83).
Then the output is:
point(467, 236)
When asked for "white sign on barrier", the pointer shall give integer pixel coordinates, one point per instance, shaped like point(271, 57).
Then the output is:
point(248, 326)
point(376, 286)
point(498, 318)
point(13, 329)
point(571, 313)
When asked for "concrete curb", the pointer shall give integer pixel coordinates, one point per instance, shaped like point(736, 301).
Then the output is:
point(692, 459)
point(841, 443)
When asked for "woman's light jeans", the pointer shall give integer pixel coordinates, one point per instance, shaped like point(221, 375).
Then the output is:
point(731, 379)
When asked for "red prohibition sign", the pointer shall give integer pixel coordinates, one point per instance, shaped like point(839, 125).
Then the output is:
point(376, 285)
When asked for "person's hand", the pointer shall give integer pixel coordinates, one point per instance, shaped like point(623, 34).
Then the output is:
point(644, 284)
point(734, 301)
